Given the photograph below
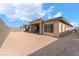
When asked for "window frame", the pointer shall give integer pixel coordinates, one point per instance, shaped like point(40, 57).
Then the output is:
point(49, 28)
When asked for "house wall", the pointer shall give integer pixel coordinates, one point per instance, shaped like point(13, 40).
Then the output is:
point(40, 22)
point(55, 29)
point(60, 29)
point(41, 28)
point(64, 29)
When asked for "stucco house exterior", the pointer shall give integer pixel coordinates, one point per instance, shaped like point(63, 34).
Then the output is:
point(52, 27)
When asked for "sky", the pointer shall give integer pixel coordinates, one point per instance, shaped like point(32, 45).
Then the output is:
point(15, 15)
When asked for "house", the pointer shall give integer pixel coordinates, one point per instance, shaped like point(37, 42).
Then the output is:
point(26, 28)
point(52, 27)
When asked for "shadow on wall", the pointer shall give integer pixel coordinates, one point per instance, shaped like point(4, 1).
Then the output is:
point(4, 30)
point(65, 33)
point(64, 46)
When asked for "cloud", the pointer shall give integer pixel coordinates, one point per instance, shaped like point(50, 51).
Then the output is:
point(21, 11)
point(6, 9)
point(25, 19)
point(49, 16)
point(51, 9)
point(57, 15)
point(24, 12)
point(47, 12)
point(73, 23)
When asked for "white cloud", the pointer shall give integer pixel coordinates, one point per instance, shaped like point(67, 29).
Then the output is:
point(48, 11)
point(6, 9)
point(57, 15)
point(51, 9)
point(73, 23)
point(24, 11)
point(25, 19)
point(27, 1)
point(49, 16)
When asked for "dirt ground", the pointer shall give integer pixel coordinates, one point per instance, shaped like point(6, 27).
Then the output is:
point(23, 43)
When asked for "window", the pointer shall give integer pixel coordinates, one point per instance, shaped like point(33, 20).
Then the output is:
point(48, 28)
point(61, 27)
point(65, 27)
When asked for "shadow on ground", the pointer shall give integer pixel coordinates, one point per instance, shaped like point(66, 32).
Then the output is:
point(64, 46)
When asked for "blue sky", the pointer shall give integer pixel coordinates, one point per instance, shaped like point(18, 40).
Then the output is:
point(15, 15)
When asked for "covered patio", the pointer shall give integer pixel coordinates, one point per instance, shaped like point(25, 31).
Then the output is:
point(36, 26)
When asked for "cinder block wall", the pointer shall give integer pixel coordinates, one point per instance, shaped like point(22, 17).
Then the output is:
point(78, 31)
point(4, 31)
point(17, 30)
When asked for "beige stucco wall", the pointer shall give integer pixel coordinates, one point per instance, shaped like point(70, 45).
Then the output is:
point(40, 22)
point(55, 29)
point(66, 29)
point(4, 30)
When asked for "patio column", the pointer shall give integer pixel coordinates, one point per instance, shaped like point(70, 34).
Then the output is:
point(40, 28)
